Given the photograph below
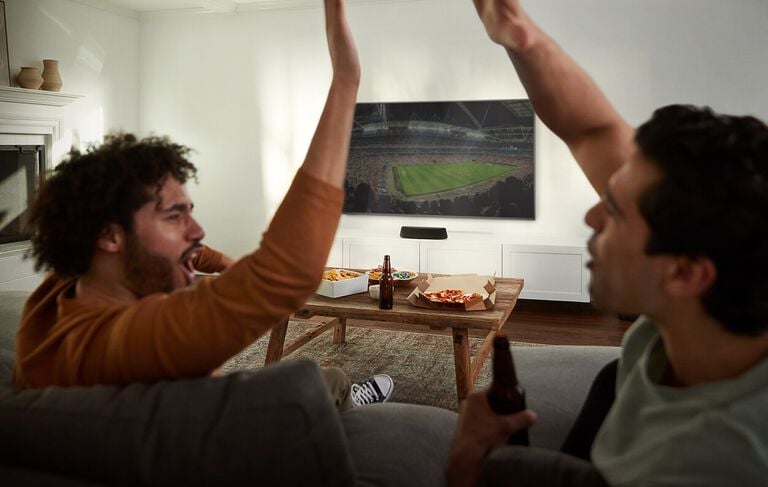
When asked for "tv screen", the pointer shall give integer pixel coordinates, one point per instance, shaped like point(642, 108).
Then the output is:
point(443, 158)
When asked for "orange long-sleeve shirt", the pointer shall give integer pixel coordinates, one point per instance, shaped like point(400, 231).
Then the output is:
point(189, 332)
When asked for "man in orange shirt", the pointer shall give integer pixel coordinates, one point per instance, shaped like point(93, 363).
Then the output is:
point(115, 226)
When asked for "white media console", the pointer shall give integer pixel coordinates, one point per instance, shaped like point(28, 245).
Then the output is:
point(552, 272)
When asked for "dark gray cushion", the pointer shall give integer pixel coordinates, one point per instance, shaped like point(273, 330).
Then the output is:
point(395, 444)
point(29, 478)
point(276, 426)
point(11, 306)
point(516, 466)
point(556, 381)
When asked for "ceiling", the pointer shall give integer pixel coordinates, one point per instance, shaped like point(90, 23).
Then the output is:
point(149, 6)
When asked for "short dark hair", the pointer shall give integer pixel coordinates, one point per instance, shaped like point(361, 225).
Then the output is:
point(106, 184)
point(712, 202)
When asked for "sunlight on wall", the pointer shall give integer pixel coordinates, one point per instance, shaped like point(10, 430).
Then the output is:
point(13, 196)
point(92, 55)
point(59, 22)
point(91, 129)
point(62, 146)
point(275, 148)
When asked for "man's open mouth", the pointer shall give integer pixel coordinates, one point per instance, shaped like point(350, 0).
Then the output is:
point(187, 263)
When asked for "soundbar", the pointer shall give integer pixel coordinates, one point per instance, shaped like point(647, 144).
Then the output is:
point(427, 233)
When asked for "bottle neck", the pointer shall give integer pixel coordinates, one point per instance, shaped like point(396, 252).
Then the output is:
point(503, 366)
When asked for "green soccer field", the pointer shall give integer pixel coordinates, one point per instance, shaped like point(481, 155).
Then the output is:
point(414, 180)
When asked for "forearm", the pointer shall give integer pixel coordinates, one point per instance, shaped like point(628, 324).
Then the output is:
point(329, 149)
point(564, 96)
point(571, 104)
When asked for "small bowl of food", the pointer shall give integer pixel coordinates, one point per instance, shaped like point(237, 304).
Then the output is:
point(404, 277)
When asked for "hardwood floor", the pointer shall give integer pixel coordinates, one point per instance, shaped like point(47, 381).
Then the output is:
point(553, 323)
point(561, 323)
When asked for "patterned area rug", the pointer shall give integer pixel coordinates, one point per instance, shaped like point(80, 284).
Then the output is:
point(420, 364)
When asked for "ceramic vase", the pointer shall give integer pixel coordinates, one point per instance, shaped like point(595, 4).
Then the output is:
point(29, 78)
point(51, 76)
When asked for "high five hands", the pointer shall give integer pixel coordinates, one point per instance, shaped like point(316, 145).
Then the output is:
point(507, 23)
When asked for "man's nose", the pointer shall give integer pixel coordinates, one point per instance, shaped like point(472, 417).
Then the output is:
point(595, 216)
point(195, 231)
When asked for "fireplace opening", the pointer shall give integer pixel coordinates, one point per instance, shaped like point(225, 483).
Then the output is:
point(21, 172)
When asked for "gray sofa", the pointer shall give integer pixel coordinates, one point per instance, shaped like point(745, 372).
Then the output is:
point(275, 426)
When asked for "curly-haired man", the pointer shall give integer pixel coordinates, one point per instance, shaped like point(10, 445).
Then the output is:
point(115, 226)
point(679, 238)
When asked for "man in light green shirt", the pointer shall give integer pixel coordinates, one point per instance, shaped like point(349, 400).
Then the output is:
point(679, 236)
point(709, 434)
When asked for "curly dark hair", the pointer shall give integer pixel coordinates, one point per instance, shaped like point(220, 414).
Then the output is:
point(106, 184)
point(712, 202)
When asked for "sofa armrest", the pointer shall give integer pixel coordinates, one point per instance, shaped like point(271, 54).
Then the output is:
point(275, 426)
point(557, 379)
point(11, 306)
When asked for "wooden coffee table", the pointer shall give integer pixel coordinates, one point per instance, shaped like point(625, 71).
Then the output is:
point(362, 307)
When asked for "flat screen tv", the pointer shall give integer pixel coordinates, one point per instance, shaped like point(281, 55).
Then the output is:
point(442, 158)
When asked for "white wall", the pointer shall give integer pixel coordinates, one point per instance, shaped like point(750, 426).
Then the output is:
point(98, 53)
point(246, 90)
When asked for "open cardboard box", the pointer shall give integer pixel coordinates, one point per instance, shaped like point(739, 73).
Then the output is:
point(345, 287)
point(469, 283)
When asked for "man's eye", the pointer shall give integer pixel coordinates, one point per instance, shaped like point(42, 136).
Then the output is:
point(173, 217)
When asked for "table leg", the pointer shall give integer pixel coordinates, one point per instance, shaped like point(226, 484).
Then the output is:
point(276, 342)
point(340, 331)
point(462, 363)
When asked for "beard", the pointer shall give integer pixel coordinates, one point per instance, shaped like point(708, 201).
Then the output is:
point(147, 273)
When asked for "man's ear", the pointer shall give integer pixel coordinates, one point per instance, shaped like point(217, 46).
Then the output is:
point(111, 239)
point(690, 276)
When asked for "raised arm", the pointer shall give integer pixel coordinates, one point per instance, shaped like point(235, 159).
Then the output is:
point(564, 96)
point(328, 151)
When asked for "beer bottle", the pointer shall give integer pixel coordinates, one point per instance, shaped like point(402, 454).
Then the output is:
point(505, 395)
point(386, 285)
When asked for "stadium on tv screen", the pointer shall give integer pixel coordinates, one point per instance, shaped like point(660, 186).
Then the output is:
point(470, 158)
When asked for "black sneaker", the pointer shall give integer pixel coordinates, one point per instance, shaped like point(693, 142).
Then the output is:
point(372, 390)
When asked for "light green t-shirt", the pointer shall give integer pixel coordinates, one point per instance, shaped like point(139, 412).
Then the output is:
point(713, 434)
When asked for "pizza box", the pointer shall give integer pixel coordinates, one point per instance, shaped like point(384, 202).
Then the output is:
point(468, 283)
point(344, 287)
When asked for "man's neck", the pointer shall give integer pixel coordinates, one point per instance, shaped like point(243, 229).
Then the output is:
point(103, 285)
point(700, 349)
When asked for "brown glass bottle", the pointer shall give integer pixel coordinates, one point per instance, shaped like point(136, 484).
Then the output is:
point(386, 285)
point(505, 395)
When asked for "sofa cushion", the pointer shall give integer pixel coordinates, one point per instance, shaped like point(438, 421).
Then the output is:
point(277, 426)
point(11, 306)
point(556, 379)
point(533, 467)
point(399, 444)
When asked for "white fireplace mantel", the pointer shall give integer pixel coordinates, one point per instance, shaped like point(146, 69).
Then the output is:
point(31, 117)
point(36, 97)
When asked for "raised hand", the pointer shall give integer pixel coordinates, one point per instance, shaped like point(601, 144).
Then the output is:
point(344, 58)
point(507, 23)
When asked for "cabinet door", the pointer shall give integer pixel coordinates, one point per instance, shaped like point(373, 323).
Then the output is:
point(366, 253)
point(18, 273)
point(554, 273)
point(460, 257)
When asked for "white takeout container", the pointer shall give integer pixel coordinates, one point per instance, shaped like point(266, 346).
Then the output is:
point(345, 287)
